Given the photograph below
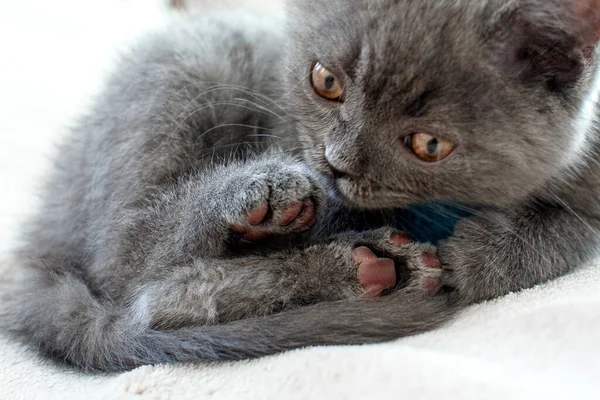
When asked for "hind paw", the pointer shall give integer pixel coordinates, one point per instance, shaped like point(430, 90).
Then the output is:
point(388, 260)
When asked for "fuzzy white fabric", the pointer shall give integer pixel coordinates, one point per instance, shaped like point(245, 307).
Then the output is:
point(540, 343)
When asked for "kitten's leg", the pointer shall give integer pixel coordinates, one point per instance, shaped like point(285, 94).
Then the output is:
point(495, 253)
point(351, 266)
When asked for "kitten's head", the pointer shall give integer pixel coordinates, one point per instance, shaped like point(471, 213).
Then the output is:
point(473, 101)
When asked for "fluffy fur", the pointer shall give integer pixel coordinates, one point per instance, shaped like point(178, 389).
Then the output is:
point(134, 257)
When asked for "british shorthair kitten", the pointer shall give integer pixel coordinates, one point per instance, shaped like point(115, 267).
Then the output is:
point(240, 189)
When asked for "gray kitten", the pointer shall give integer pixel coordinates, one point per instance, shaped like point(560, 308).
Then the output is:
point(227, 199)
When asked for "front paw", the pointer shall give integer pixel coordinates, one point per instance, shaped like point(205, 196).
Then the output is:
point(272, 198)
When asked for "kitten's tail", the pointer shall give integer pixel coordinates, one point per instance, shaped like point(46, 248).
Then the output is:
point(60, 315)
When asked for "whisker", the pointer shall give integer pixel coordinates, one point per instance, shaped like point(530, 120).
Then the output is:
point(227, 103)
point(216, 86)
point(219, 126)
point(571, 211)
point(268, 111)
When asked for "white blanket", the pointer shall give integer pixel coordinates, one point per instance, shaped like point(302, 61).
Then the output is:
point(540, 343)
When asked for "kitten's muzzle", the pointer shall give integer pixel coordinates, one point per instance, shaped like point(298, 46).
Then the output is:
point(337, 173)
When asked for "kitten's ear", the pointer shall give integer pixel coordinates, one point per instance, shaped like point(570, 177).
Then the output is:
point(551, 40)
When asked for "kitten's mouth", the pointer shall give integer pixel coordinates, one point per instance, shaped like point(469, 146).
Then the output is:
point(355, 189)
point(349, 189)
point(337, 174)
point(366, 194)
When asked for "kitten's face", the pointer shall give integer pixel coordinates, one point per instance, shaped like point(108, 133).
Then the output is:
point(414, 101)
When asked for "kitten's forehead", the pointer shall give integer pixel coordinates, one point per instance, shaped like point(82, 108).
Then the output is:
point(404, 34)
point(396, 53)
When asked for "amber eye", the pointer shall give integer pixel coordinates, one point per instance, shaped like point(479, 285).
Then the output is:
point(325, 83)
point(427, 147)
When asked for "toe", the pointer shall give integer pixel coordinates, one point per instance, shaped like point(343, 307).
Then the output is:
point(290, 213)
point(431, 261)
point(400, 239)
point(258, 214)
point(431, 284)
point(307, 216)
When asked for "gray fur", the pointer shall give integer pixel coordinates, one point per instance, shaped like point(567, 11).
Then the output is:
point(132, 260)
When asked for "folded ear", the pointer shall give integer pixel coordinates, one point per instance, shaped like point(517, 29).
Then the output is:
point(551, 40)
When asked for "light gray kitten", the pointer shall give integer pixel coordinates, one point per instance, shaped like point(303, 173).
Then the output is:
point(194, 213)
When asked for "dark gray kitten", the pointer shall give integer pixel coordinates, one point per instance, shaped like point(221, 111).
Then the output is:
point(194, 213)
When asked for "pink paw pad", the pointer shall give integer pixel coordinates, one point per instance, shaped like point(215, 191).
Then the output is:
point(374, 274)
point(290, 214)
point(431, 284)
point(250, 235)
point(254, 217)
point(301, 212)
point(307, 216)
point(258, 214)
point(400, 239)
point(431, 261)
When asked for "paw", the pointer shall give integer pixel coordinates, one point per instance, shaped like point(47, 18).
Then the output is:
point(461, 275)
point(274, 200)
point(387, 260)
point(478, 259)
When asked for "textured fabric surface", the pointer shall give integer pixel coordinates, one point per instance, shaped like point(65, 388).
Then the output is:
point(540, 343)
